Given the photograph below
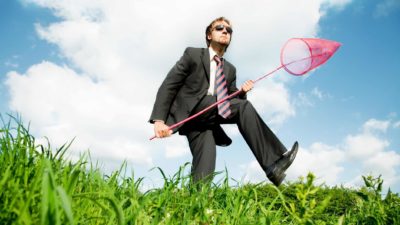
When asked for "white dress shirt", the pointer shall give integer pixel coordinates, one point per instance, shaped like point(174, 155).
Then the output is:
point(213, 70)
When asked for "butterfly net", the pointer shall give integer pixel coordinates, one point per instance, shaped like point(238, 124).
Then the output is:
point(300, 55)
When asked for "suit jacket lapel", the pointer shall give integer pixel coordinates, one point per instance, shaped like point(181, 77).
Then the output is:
point(226, 71)
point(205, 58)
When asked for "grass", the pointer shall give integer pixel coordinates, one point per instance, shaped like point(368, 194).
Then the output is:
point(39, 186)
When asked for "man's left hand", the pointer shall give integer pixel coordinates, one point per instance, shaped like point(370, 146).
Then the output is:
point(247, 86)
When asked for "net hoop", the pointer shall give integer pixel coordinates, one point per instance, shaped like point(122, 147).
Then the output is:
point(300, 55)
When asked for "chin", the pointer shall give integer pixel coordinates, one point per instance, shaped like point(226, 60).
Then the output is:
point(224, 42)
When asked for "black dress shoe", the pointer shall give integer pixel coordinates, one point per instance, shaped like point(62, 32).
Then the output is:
point(277, 173)
point(276, 179)
point(292, 154)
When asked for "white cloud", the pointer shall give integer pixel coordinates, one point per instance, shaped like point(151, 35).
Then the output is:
point(370, 154)
point(360, 154)
point(252, 173)
point(273, 101)
point(396, 124)
point(323, 160)
point(383, 163)
point(316, 92)
point(176, 147)
point(11, 64)
point(231, 130)
point(365, 145)
point(376, 125)
point(303, 99)
point(61, 105)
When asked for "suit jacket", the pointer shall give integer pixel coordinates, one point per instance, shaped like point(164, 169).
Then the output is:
point(185, 85)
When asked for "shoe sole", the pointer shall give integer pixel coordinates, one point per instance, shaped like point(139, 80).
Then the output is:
point(280, 180)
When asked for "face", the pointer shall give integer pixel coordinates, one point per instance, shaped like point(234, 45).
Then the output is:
point(220, 33)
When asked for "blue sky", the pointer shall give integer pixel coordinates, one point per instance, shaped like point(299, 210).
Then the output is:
point(20, 45)
point(73, 70)
point(363, 75)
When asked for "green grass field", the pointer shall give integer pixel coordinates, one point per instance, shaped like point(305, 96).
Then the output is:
point(39, 186)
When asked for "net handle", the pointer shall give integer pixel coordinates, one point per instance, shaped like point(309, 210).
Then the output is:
point(173, 126)
point(254, 81)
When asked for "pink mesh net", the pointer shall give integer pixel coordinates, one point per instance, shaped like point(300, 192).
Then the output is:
point(300, 55)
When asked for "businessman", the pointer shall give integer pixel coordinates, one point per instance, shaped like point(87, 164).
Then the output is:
point(200, 78)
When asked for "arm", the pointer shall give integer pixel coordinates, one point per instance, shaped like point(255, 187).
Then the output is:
point(167, 93)
point(169, 88)
point(246, 87)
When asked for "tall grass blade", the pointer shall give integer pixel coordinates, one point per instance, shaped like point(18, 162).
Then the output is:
point(66, 204)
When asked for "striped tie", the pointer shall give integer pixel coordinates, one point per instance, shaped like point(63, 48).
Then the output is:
point(221, 90)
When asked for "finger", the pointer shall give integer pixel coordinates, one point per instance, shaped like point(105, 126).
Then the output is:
point(165, 132)
point(246, 87)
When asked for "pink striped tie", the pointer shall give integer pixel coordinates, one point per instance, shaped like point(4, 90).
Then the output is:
point(221, 90)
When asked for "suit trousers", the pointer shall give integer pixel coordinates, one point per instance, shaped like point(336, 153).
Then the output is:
point(200, 133)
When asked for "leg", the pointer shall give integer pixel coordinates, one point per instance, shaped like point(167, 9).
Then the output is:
point(266, 147)
point(202, 146)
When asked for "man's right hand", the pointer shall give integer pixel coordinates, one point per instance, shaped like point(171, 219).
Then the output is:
point(161, 130)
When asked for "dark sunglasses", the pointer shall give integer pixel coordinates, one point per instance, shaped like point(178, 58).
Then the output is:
point(221, 27)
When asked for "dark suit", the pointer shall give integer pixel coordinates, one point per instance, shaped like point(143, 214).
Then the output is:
point(184, 92)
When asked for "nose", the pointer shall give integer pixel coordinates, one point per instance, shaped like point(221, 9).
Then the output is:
point(224, 31)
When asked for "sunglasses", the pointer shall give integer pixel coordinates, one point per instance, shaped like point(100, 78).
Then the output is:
point(221, 27)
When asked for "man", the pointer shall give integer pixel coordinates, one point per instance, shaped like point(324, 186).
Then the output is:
point(199, 79)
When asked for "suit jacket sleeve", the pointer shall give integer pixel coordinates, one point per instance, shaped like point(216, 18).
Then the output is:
point(232, 85)
point(170, 87)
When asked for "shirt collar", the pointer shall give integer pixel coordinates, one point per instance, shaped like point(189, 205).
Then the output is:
point(212, 54)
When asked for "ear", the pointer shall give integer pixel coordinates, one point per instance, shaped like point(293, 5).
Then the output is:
point(209, 37)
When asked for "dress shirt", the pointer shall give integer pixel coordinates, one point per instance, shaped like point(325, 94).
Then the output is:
point(213, 70)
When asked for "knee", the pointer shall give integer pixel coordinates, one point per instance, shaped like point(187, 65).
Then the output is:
point(244, 104)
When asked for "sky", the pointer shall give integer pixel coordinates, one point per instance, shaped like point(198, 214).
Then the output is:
point(89, 71)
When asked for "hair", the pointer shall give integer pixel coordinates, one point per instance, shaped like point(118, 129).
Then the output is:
point(210, 26)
